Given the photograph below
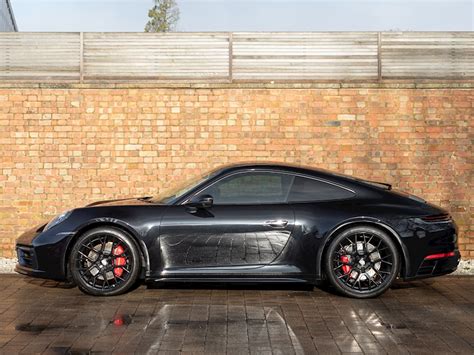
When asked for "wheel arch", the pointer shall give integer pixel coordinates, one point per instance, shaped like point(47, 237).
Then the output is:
point(145, 259)
point(405, 264)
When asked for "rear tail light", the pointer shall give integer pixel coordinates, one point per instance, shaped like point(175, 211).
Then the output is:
point(440, 255)
point(443, 217)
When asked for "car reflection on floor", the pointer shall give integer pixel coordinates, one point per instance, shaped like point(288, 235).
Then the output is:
point(40, 316)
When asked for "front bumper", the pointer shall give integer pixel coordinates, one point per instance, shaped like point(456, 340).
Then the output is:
point(27, 262)
point(26, 256)
point(29, 271)
point(41, 254)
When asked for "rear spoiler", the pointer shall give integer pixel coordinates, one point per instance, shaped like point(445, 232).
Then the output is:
point(379, 184)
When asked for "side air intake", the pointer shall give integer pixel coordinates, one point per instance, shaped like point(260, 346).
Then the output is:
point(443, 217)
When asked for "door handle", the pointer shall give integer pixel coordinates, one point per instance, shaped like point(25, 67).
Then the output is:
point(276, 223)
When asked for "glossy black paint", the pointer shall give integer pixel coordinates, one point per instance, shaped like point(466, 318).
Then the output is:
point(221, 237)
point(277, 242)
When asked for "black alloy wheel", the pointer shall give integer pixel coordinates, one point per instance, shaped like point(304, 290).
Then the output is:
point(362, 262)
point(105, 262)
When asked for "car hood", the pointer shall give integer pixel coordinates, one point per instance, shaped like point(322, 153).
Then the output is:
point(123, 202)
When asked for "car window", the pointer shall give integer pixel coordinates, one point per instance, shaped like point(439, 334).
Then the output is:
point(251, 188)
point(305, 190)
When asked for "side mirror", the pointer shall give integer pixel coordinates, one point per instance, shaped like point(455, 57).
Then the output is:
point(201, 201)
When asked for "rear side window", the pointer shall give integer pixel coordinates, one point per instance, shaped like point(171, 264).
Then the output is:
point(306, 190)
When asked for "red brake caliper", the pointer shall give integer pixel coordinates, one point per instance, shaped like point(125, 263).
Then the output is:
point(345, 268)
point(119, 260)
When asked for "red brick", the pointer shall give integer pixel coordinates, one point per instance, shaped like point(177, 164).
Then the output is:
point(63, 148)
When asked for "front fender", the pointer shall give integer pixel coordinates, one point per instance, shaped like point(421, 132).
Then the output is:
point(110, 222)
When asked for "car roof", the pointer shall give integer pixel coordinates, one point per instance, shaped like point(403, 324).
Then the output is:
point(290, 168)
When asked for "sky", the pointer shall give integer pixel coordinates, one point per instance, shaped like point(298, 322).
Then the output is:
point(249, 15)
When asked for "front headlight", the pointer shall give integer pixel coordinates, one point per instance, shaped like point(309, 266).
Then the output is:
point(56, 220)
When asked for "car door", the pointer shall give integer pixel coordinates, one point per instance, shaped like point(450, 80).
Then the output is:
point(248, 225)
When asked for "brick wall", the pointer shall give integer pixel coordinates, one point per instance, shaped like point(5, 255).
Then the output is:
point(63, 148)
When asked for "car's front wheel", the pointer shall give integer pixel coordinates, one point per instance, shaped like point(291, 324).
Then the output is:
point(362, 262)
point(104, 261)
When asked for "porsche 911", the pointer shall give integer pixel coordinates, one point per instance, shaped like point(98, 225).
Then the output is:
point(248, 223)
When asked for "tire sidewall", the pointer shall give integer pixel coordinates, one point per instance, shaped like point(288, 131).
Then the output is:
point(347, 291)
point(131, 245)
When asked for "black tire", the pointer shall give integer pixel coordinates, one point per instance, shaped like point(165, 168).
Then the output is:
point(362, 262)
point(105, 261)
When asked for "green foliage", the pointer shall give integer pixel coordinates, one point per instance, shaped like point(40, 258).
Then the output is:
point(164, 16)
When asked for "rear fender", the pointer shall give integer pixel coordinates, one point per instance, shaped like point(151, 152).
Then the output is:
point(364, 221)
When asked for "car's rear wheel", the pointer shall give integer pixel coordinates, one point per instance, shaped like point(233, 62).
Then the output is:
point(105, 262)
point(362, 262)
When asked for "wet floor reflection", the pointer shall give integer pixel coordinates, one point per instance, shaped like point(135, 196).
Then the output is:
point(121, 320)
point(36, 318)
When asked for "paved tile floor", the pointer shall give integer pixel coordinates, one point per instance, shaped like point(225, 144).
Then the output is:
point(431, 316)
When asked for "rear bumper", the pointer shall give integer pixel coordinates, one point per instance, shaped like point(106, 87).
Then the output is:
point(437, 267)
point(422, 240)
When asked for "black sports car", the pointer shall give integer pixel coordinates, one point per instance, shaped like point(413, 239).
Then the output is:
point(253, 222)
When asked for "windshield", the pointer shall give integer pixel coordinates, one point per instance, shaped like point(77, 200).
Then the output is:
point(168, 196)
